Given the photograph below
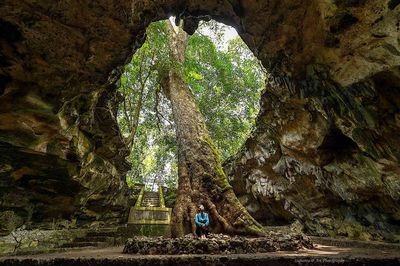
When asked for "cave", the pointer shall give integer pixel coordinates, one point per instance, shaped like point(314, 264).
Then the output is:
point(324, 151)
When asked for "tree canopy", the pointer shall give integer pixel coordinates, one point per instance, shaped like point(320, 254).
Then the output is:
point(225, 78)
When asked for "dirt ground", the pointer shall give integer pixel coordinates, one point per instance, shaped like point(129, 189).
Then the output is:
point(320, 252)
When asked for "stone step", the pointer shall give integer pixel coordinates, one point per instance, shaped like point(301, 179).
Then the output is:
point(148, 193)
point(150, 196)
point(102, 233)
point(150, 202)
point(83, 244)
point(106, 239)
point(97, 238)
point(150, 205)
point(149, 216)
point(105, 229)
point(151, 199)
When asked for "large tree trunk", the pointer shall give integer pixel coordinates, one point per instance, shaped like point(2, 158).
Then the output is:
point(201, 177)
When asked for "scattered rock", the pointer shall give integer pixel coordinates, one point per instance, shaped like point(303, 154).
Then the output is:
point(216, 244)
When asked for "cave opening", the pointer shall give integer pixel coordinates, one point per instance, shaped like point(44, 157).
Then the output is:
point(226, 80)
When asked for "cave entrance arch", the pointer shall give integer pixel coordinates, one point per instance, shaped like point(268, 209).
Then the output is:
point(218, 64)
point(207, 80)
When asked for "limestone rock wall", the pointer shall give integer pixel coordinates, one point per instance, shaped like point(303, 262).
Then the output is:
point(325, 149)
point(61, 153)
point(330, 161)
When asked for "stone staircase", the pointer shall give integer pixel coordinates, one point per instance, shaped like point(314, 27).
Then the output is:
point(101, 237)
point(149, 216)
point(151, 199)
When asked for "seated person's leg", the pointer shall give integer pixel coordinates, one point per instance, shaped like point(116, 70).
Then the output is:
point(205, 231)
point(198, 231)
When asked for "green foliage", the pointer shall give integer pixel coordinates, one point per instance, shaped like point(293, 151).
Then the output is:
point(227, 84)
point(226, 80)
point(153, 151)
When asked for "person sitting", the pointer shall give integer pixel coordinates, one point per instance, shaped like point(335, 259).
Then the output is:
point(202, 222)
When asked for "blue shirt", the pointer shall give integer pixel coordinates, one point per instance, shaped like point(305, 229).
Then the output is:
point(201, 219)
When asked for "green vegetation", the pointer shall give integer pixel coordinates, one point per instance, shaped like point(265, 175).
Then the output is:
point(226, 80)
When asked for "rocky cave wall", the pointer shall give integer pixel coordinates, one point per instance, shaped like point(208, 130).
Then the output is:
point(325, 150)
point(61, 155)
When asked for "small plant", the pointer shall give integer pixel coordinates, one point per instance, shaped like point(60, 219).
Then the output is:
point(19, 235)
